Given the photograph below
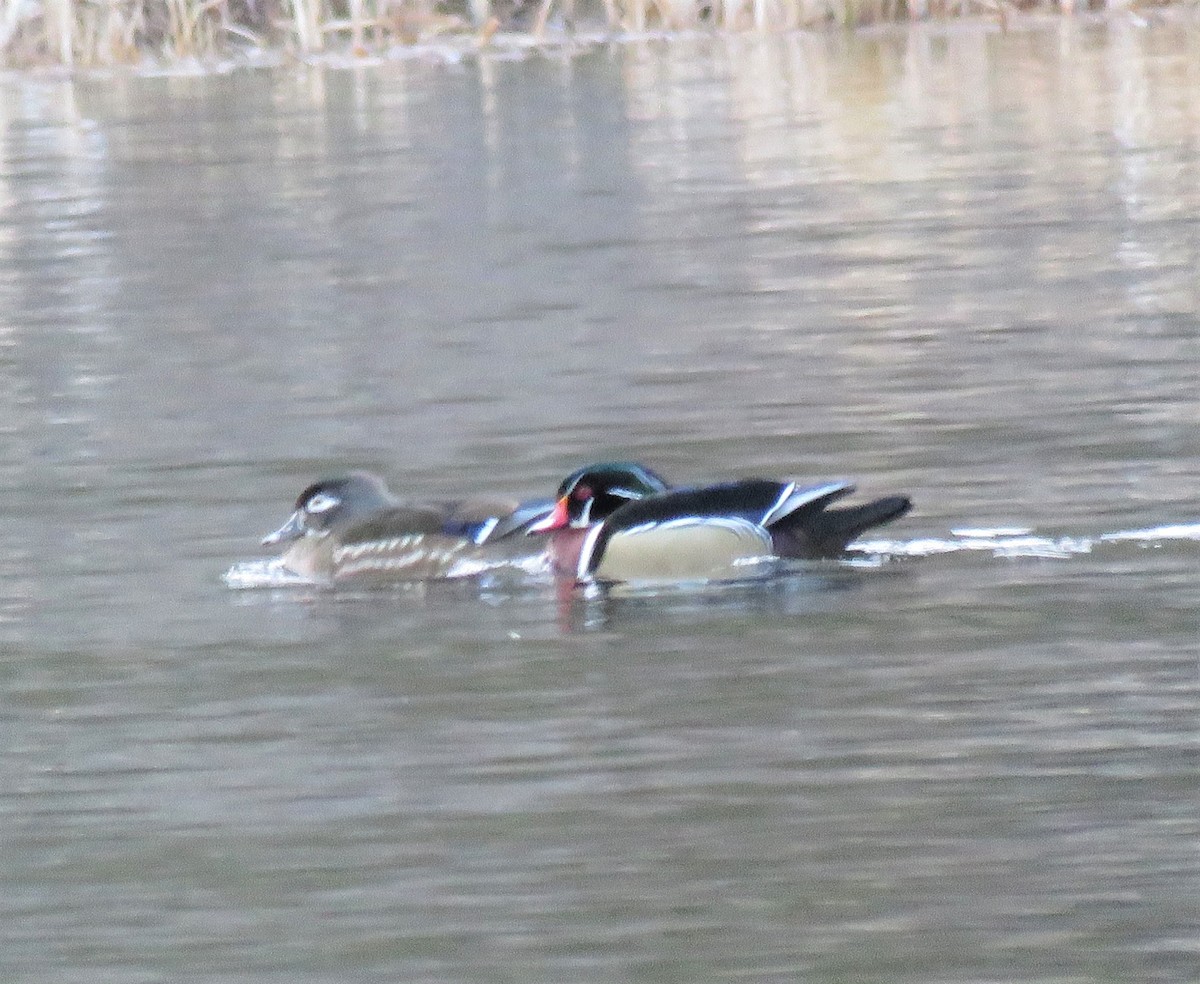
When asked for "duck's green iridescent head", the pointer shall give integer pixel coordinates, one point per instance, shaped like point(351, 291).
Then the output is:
point(594, 492)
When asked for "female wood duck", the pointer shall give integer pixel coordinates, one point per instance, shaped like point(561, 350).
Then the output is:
point(607, 526)
point(352, 526)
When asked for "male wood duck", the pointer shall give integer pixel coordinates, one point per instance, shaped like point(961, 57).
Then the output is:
point(603, 530)
point(353, 527)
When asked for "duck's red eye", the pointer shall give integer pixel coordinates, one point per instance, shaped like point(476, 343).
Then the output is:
point(582, 493)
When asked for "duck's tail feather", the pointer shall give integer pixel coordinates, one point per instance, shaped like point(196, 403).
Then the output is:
point(826, 532)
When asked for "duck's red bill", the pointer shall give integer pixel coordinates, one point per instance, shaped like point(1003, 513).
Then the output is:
point(558, 519)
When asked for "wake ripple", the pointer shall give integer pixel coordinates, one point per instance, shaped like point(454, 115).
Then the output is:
point(1010, 541)
point(271, 572)
point(250, 574)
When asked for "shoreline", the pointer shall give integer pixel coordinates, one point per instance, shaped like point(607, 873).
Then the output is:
point(451, 40)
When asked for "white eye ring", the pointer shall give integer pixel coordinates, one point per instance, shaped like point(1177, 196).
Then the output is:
point(321, 502)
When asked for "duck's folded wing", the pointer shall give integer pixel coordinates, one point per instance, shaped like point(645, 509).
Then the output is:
point(489, 523)
point(386, 524)
point(760, 501)
point(488, 518)
point(682, 549)
point(794, 499)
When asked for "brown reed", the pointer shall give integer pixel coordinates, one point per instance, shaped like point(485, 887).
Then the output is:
point(109, 32)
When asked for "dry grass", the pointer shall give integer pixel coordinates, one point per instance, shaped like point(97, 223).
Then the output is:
point(107, 32)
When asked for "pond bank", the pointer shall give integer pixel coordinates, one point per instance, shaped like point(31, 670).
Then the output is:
point(215, 34)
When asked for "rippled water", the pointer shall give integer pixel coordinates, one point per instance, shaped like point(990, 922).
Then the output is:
point(953, 262)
